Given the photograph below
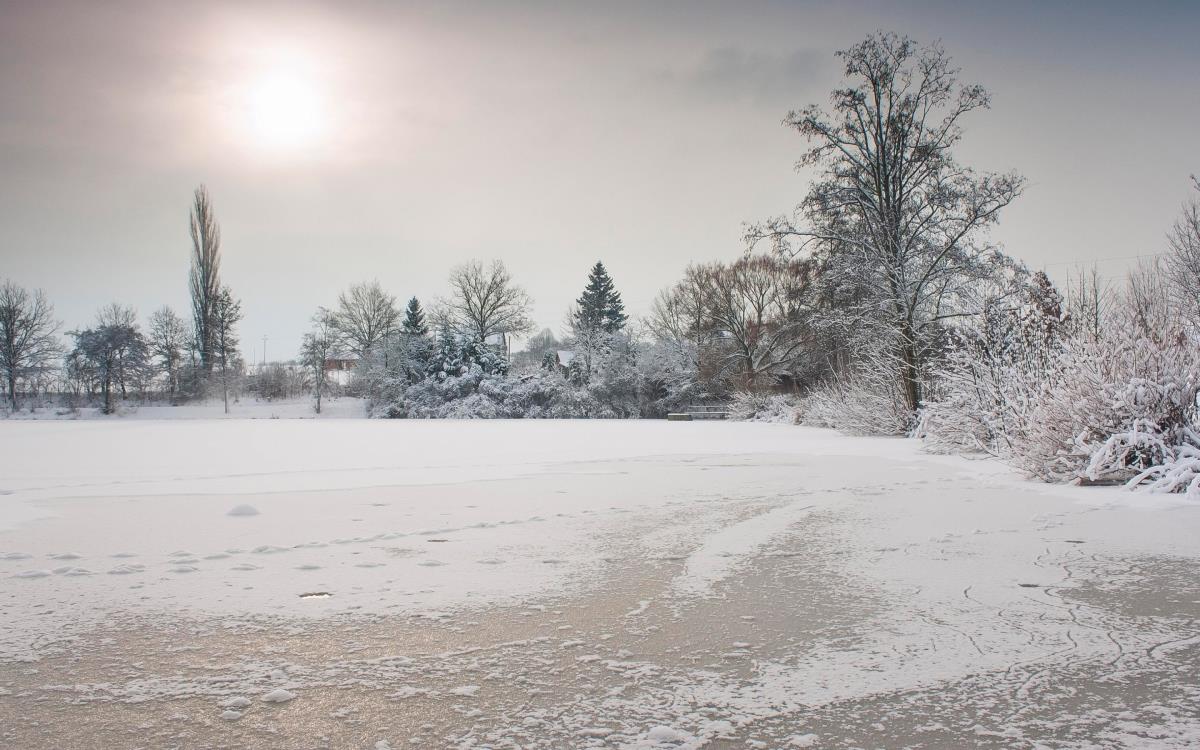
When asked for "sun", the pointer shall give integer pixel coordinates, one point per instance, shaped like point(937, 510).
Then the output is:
point(284, 111)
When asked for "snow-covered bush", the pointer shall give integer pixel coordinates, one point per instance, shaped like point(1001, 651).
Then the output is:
point(614, 379)
point(1120, 408)
point(995, 365)
point(868, 401)
point(479, 395)
point(668, 379)
point(765, 407)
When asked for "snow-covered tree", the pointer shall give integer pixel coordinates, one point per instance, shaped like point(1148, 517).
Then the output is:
point(456, 355)
point(168, 339)
point(414, 319)
point(896, 220)
point(227, 313)
point(599, 307)
point(28, 335)
point(317, 347)
point(112, 356)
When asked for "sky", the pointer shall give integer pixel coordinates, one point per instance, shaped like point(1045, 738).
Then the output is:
point(350, 141)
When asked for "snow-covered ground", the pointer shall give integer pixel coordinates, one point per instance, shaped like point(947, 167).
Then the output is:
point(357, 583)
point(242, 408)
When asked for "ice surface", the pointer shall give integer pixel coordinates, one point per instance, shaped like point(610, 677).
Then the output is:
point(618, 584)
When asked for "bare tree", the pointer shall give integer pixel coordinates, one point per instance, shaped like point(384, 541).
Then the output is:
point(678, 321)
point(227, 312)
point(204, 279)
point(895, 216)
point(318, 346)
point(168, 339)
point(1089, 301)
point(677, 314)
point(484, 301)
point(28, 335)
point(760, 306)
point(366, 318)
point(1183, 258)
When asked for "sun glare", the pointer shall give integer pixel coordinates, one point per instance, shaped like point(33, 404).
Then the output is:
point(284, 112)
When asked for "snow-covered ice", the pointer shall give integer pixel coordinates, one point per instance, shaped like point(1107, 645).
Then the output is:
point(328, 583)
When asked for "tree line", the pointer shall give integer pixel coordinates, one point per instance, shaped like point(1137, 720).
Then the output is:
point(115, 357)
point(877, 305)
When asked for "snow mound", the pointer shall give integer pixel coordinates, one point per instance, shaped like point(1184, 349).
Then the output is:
point(243, 510)
point(239, 701)
point(662, 734)
point(278, 695)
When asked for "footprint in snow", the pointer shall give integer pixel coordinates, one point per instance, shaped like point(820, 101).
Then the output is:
point(73, 572)
point(431, 563)
point(65, 556)
point(243, 510)
point(124, 570)
point(15, 556)
point(308, 567)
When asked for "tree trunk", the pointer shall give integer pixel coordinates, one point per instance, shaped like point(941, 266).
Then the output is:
point(12, 389)
point(224, 386)
point(910, 372)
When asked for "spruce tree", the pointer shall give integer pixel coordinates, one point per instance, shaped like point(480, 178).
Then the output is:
point(414, 319)
point(600, 305)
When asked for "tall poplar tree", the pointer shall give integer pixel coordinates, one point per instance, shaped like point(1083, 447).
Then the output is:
point(204, 280)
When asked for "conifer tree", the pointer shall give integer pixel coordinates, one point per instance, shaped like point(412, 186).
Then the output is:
point(600, 307)
point(414, 319)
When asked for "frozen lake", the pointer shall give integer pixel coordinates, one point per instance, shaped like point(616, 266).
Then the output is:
point(386, 584)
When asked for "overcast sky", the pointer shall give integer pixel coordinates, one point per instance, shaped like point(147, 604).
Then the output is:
point(346, 141)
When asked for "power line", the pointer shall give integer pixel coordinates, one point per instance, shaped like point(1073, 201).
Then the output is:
point(1102, 260)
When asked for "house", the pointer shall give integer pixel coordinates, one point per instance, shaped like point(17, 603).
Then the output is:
point(563, 358)
point(339, 367)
